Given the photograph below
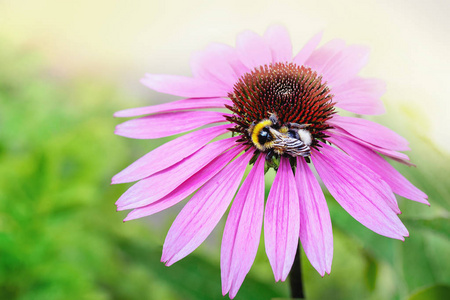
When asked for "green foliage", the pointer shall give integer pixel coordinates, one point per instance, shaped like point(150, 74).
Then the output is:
point(437, 292)
point(60, 237)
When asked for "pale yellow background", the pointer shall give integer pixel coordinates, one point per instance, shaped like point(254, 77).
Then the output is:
point(121, 40)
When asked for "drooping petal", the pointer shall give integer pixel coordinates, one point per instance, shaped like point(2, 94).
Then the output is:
point(370, 132)
point(389, 198)
point(184, 104)
point(168, 154)
point(215, 63)
point(308, 49)
point(167, 124)
point(158, 185)
point(392, 154)
point(281, 221)
point(252, 50)
point(361, 192)
point(184, 86)
point(277, 37)
point(242, 231)
point(361, 96)
point(202, 213)
point(316, 233)
point(320, 57)
point(187, 187)
point(399, 184)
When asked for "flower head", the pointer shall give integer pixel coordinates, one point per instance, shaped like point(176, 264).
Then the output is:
point(282, 115)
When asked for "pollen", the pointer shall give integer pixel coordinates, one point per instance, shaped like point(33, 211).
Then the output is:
point(296, 94)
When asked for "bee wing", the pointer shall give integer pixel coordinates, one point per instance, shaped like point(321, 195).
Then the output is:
point(296, 147)
point(282, 143)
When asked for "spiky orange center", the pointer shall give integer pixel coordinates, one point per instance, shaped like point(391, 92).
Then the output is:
point(295, 93)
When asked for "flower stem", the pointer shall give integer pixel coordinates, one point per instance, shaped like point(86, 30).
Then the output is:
point(295, 278)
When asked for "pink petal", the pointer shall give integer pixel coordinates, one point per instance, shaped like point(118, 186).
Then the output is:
point(216, 63)
point(391, 201)
point(359, 191)
point(370, 132)
point(224, 53)
point(168, 154)
point(184, 104)
point(252, 50)
point(308, 49)
point(277, 37)
point(242, 231)
point(202, 213)
point(184, 86)
point(397, 156)
point(319, 58)
point(316, 234)
point(399, 184)
point(162, 183)
point(338, 63)
point(346, 65)
point(281, 221)
point(361, 96)
point(162, 125)
point(187, 187)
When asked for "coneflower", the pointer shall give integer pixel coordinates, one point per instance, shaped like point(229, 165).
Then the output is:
point(282, 116)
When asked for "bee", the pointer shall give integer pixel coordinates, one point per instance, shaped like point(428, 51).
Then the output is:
point(290, 139)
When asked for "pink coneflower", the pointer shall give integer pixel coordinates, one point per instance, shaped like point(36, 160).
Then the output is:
point(281, 112)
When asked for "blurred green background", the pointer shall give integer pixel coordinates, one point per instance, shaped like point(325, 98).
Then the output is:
point(60, 236)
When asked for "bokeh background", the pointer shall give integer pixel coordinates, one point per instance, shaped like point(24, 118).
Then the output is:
point(66, 66)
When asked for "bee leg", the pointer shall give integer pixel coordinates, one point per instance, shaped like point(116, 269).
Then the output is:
point(274, 119)
point(297, 126)
point(269, 155)
point(250, 128)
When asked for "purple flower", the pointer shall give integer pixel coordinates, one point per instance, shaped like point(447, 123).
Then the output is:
point(281, 111)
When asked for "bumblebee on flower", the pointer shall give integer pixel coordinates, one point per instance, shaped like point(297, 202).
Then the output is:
point(281, 115)
point(290, 139)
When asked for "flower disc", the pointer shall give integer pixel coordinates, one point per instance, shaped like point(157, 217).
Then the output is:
point(296, 94)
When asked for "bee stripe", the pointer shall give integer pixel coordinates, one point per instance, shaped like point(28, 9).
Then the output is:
point(257, 129)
